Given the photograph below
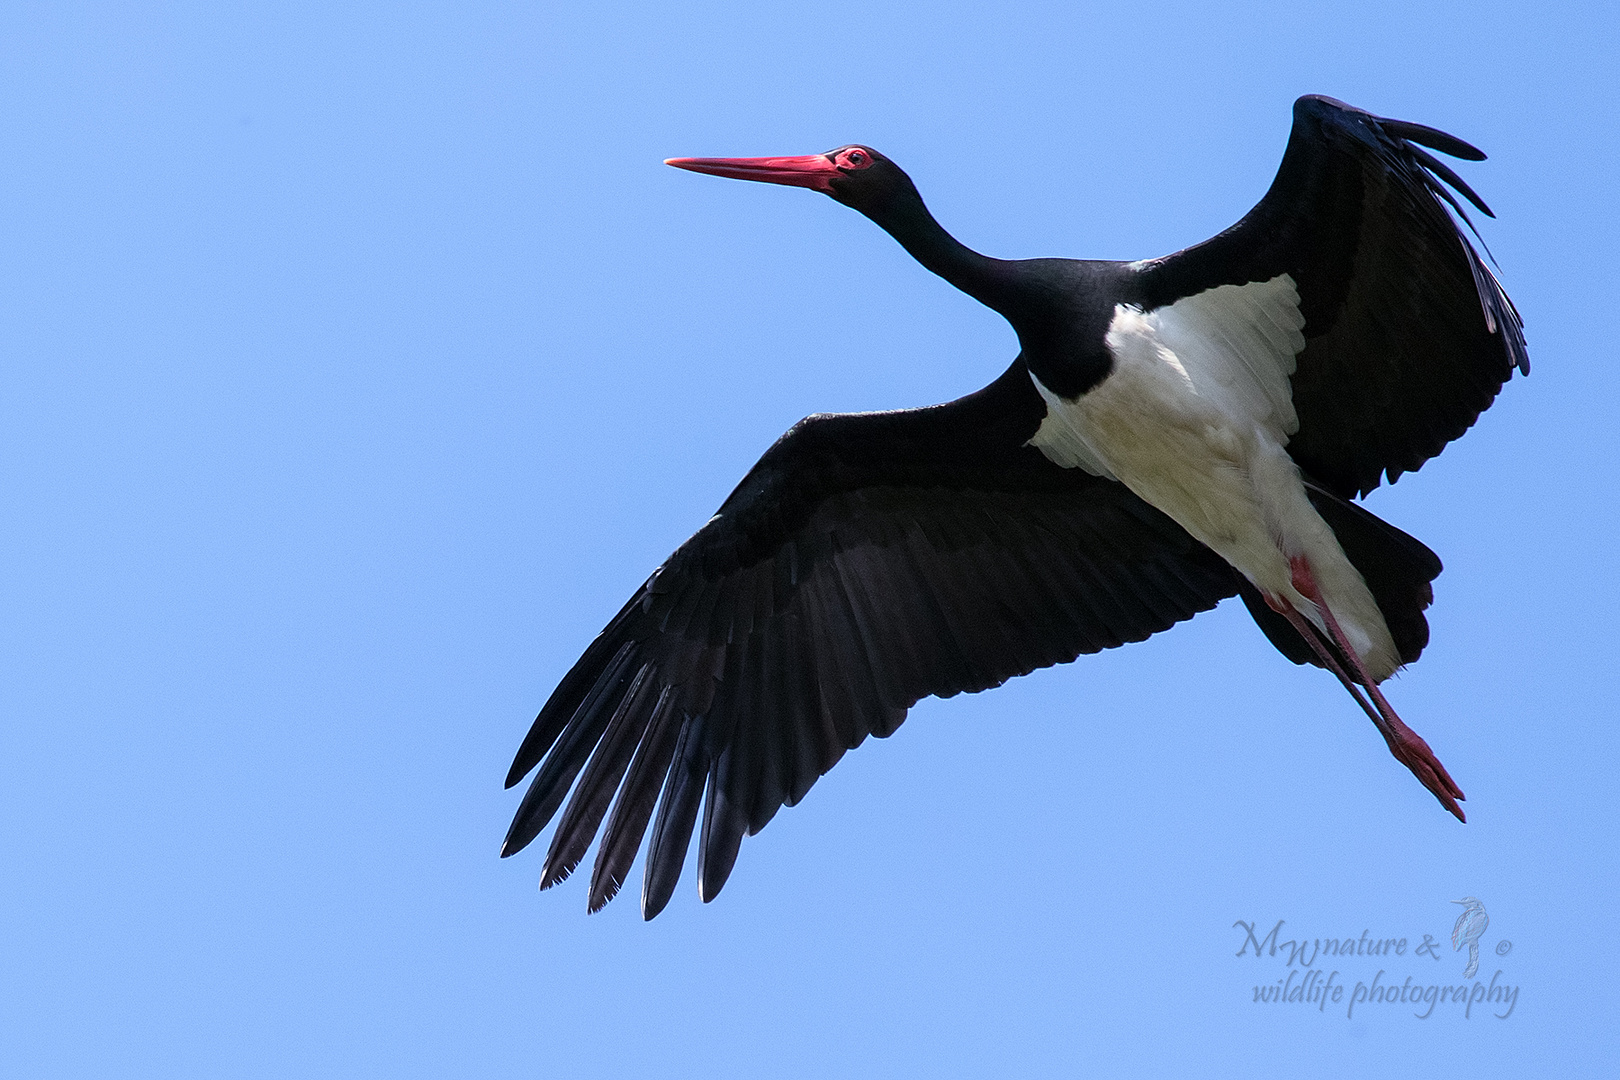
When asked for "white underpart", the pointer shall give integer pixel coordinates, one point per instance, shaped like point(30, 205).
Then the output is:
point(1195, 418)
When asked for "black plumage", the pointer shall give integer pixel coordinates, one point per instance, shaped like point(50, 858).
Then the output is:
point(1409, 335)
point(870, 560)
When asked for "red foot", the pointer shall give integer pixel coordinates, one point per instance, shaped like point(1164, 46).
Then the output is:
point(1410, 750)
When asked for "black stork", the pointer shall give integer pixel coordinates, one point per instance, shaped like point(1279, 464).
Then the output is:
point(1173, 432)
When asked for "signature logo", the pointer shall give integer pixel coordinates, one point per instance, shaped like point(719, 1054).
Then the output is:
point(1318, 972)
point(1470, 925)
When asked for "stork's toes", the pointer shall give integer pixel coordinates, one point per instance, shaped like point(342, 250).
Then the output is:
point(1410, 750)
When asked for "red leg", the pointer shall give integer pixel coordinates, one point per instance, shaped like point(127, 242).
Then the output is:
point(1313, 638)
point(1407, 746)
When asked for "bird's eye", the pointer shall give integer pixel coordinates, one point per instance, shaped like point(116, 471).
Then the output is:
point(854, 159)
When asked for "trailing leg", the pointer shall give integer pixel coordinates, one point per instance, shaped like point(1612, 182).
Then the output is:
point(1407, 746)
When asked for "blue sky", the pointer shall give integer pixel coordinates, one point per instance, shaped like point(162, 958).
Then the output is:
point(360, 360)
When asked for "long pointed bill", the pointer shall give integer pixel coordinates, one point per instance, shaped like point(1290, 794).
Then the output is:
point(815, 171)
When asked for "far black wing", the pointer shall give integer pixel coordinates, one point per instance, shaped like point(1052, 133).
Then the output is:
point(865, 562)
point(1409, 335)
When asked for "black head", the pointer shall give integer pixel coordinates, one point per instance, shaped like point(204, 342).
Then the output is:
point(857, 176)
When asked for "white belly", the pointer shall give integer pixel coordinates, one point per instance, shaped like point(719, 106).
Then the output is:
point(1195, 418)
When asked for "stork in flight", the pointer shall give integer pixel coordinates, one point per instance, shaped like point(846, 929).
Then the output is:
point(1172, 432)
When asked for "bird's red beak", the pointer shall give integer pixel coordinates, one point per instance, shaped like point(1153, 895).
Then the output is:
point(815, 171)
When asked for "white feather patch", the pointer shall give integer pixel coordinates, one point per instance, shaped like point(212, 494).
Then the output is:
point(1239, 342)
point(1062, 436)
point(1194, 417)
point(1232, 346)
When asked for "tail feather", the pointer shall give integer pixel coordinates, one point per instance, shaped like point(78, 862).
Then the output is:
point(1397, 568)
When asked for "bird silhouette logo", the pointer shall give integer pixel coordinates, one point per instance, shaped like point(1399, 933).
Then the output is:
point(1470, 926)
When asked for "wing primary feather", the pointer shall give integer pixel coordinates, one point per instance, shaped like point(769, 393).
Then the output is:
point(1443, 192)
point(812, 749)
point(565, 700)
point(724, 825)
point(1446, 173)
point(1518, 354)
point(1500, 314)
point(568, 756)
point(677, 814)
point(601, 779)
point(1433, 138)
point(628, 823)
point(735, 738)
point(779, 704)
point(1482, 289)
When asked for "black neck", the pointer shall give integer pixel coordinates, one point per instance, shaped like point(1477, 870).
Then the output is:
point(996, 283)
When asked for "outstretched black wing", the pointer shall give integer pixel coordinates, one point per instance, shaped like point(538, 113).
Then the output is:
point(1408, 334)
point(865, 562)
